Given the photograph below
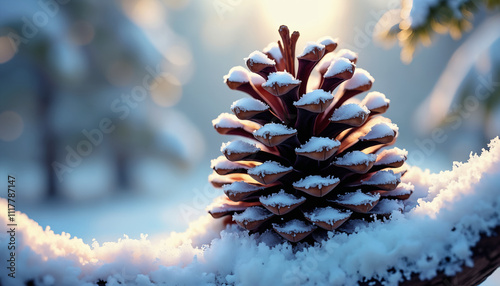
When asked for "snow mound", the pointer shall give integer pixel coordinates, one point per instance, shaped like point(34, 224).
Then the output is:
point(357, 198)
point(238, 147)
point(338, 65)
point(328, 214)
point(315, 181)
point(317, 144)
point(452, 210)
point(249, 104)
point(237, 74)
point(359, 78)
point(267, 168)
point(274, 50)
point(227, 120)
point(281, 199)
point(348, 111)
point(280, 79)
point(356, 158)
point(252, 214)
point(260, 58)
point(325, 41)
point(314, 97)
point(348, 54)
point(380, 130)
point(310, 46)
point(274, 129)
point(375, 100)
point(292, 226)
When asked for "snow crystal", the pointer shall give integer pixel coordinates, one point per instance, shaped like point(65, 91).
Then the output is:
point(348, 54)
point(317, 144)
point(387, 206)
point(249, 104)
point(237, 74)
point(274, 50)
point(222, 163)
point(314, 181)
point(267, 168)
point(314, 97)
point(389, 156)
point(280, 79)
point(252, 214)
point(375, 100)
point(238, 147)
point(294, 226)
point(226, 120)
point(348, 111)
point(328, 215)
point(356, 158)
point(240, 187)
point(338, 65)
point(260, 57)
point(273, 129)
point(380, 130)
point(359, 78)
point(357, 198)
point(325, 41)
point(310, 46)
point(382, 177)
point(281, 199)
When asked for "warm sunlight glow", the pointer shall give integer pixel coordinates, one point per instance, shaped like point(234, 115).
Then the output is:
point(313, 18)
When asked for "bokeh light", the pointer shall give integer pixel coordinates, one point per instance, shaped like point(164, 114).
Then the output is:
point(11, 125)
point(7, 49)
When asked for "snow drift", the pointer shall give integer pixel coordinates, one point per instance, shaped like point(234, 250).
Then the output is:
point(444, 218)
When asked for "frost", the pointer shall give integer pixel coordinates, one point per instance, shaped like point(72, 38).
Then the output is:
point(226, 120)
point(237, 74)
point(280, 79)
point(348, 111)
point(292, 226)
point(356, 158)
point(249, 104)
point(359, 78)
point(260, 57)
point(252, 214)
point(339, 65)
point(238, 147)
point(357, 198)
point(273, 129)
point(267, 168)
point(314, 181)
point(281, 199)
point(317, 144)
point(328, 215)
point(314, 97)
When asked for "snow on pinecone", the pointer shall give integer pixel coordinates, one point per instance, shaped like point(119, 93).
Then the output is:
point(309, 158)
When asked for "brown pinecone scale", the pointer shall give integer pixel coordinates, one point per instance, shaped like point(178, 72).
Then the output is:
point(309, 156)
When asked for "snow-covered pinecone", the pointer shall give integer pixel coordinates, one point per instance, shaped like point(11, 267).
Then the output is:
point(309, 160)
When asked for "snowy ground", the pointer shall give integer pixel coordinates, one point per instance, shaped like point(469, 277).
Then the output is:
point(465, 199)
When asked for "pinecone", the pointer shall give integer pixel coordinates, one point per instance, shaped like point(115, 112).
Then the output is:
point(310, 160)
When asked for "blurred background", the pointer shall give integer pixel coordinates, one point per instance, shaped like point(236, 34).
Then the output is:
point(106, 106)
